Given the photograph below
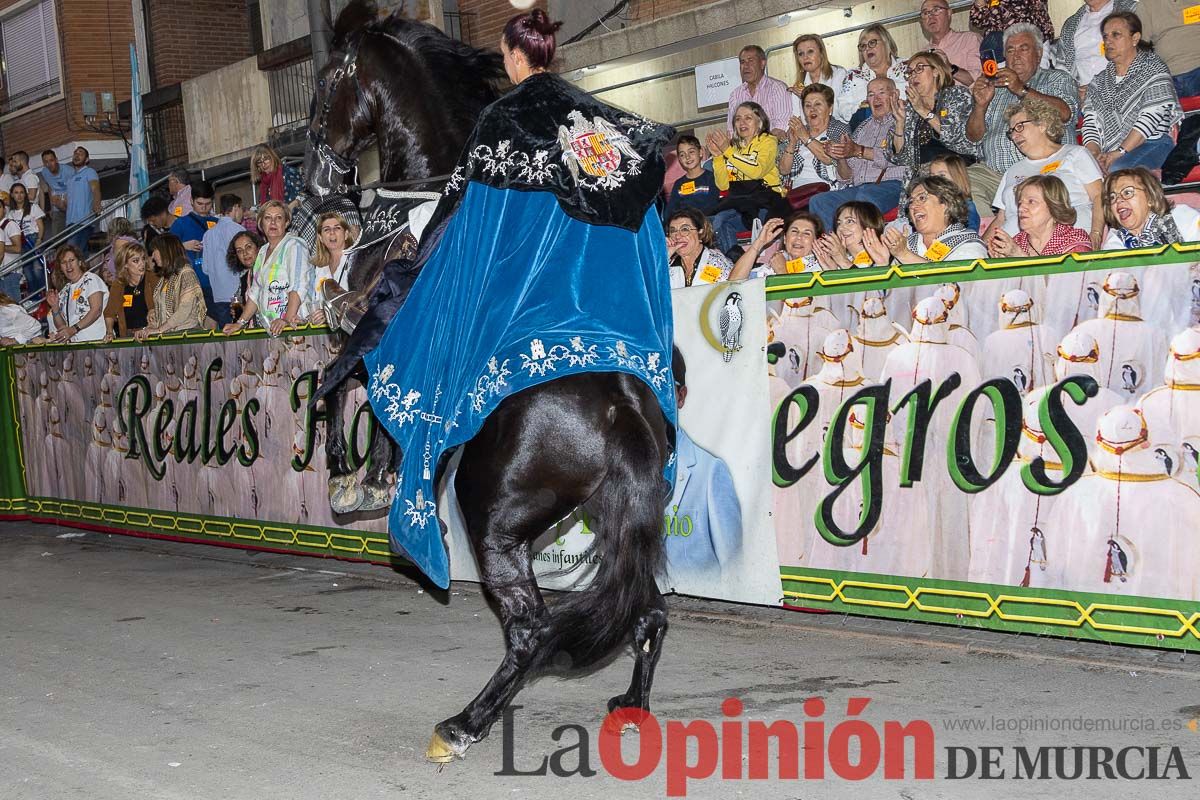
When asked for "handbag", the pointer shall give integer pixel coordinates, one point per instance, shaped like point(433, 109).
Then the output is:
point(799, 197)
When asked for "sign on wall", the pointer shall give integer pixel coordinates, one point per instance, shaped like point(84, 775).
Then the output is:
point(715, 81)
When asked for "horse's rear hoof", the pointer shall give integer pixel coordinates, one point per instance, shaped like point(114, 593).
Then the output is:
point(440, 751)
point(375, 498)
point(345, 495)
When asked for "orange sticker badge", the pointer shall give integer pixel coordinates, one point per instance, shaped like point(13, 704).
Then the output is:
point(937, 251)
point(1051, 168)
point(1191, 15)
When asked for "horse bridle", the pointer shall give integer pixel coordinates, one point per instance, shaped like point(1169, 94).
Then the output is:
point(334, 161)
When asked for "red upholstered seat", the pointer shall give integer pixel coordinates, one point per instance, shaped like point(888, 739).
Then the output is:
point(890, 216)
point(1190, 103)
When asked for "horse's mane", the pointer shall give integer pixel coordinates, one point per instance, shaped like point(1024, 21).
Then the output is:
point(473, 75)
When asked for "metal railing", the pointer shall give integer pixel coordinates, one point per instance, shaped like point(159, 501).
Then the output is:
point(457, 24)
point(47, 248)
point(291, 89)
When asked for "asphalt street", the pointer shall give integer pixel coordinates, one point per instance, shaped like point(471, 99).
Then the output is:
point(132, 668)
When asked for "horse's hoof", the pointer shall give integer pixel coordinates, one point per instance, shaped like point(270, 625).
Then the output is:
point(440, 751)
point(375, 498)
point(345, 495)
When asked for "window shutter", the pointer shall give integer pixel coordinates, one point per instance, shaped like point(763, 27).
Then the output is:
point(30, 55)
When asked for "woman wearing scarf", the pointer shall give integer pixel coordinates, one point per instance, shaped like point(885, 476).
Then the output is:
point(937, 210)
point(810, 167)
point(1131, 106)
point(800, 230)
point(276, 180)
point(178, 298)
point(1139, 215)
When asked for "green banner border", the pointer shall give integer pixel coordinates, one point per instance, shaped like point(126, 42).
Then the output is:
point(1120, 619)
point(812, 284)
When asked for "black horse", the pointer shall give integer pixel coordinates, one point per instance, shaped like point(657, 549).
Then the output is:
point(373, 92)
point(596, 441)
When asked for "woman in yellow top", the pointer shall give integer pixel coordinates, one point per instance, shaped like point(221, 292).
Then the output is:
point(745, 167)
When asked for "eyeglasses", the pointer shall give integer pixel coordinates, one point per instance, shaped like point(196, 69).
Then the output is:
point(933, 12)
point(681, 229)
point(917, 69)
point(868, 44)
point(1125, 194)
point(1018, 128)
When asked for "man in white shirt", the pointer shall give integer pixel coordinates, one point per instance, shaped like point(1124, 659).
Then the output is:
point(10, 242)
point(19, 172)
point(759, 87)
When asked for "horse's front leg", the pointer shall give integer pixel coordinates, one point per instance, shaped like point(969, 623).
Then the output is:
point(345, 496)
point(376, 486)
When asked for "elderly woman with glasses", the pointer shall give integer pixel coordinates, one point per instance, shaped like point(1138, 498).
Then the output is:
point(933, 120)
point(1140, 215)
point(691, 255)
point(937, 209)
point(1036, 129)
point(878, 57)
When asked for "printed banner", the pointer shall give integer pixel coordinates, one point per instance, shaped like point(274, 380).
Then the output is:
point(1036, 432)
point(1006, 445)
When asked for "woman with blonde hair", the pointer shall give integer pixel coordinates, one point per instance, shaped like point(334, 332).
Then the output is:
point(178, 297)
point(1046, 220)
point(334, 237)
point(812, 66)
point(933, 119)
point(275, 180)
point(281, 285)
point(878, 57)
point(131, 295)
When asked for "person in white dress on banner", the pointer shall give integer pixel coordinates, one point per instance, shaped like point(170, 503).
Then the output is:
point(1131, 349)
point(1130, 526)
point(1079, 354)
point(802, 325)
point(929, 355)
point(877, 336)
point(1176, 404)
point(840, 376)
point(1008, 522)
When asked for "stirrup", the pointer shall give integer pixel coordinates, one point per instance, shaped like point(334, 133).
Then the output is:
point(343, 309)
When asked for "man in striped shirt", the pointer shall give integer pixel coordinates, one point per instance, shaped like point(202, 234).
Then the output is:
point(761, 88)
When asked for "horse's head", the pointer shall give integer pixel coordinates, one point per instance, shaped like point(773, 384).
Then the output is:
point(402, 84)
point(340, 123)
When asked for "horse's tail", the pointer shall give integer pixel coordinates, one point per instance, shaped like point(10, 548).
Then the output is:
point(626, 516)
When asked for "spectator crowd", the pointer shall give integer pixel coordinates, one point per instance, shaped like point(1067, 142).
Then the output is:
point(998, 141)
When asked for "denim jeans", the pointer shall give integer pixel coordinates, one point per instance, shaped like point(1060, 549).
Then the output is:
point(727, 225)
point(10, 285)
point(1149, 154)
point(1187, 84)
point(80, 239)
point(885, 196)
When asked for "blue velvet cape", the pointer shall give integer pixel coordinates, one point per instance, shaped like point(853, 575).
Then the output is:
point(545, 258)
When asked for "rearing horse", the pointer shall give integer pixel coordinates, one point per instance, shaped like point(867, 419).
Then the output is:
point(371, 93)
point(597, 441)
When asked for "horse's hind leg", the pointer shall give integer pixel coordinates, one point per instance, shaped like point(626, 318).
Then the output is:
point(648, 635)
point(508, 576)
